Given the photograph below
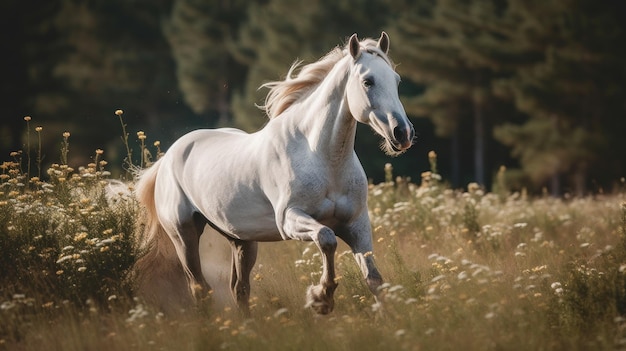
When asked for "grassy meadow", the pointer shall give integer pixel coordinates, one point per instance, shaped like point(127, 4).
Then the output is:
point(465, 269)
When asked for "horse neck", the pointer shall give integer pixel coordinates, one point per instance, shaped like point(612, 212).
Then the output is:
point(324, 118)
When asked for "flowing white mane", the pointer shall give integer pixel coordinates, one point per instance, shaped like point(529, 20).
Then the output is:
point(286, 92)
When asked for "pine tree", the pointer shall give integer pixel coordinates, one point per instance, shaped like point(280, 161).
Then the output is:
point(279, 31)
point(454, 48)
point(28, 45)
point(200, 34)
point(572, 96)
point(107, 55)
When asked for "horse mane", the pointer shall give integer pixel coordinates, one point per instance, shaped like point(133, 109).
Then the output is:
point(285, 93)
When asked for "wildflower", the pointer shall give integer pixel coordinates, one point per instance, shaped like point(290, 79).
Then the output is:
point(99, 151)
point(395, 288)
point(558, 289)
point(27, 118)
point(108, 241)
point(38, 129)
point(388, 173)
point(66, 134)
point(539, 268)
point(157, 143)
point(7, 305)
point(473, 187)
point(438, 278)
point(82, 269)
point(277, 314)
point(141, 135)
point(119, 112)
point(80, 236)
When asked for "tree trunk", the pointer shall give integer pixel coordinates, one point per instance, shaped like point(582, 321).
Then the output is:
point(479, 143)
point(555, 185)
point(455, 155)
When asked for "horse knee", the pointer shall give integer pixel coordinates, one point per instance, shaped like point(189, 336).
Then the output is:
point(327, 240)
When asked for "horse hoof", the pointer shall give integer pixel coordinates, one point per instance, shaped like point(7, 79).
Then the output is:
point(322, 308)
point(319, 301)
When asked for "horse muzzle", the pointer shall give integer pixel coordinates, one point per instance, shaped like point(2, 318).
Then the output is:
point(403, 135)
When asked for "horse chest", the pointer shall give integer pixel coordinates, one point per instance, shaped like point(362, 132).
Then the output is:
point(334, 210)
point(330, 202)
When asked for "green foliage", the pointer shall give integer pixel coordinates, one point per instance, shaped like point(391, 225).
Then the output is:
point(67, 240)
point(595, 290)
point(268, 52)
point(533, 85)
point(200, 34)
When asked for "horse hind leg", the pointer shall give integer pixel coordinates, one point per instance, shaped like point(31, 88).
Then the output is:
point(186, 239)
point(243, 260)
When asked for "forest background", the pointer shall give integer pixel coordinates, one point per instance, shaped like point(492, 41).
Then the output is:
point(533, 85)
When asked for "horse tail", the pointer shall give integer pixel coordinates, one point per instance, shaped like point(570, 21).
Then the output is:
point(159, 275)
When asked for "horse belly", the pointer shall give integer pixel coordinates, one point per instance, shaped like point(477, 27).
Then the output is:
point(255, 227)
point(246, 218)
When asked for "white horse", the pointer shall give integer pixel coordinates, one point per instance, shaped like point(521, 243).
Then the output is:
point(297, 178)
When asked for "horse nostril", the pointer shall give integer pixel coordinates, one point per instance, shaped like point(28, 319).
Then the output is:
point(400, 134)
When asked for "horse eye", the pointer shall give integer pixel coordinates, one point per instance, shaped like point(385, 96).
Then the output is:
point(368, 82)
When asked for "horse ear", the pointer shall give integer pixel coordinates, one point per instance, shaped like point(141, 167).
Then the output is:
point(354, 46)
point(383, 42)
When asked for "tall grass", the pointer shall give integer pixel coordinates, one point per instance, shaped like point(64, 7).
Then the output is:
point(465, 269)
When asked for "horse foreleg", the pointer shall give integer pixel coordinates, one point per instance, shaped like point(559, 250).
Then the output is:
point(298, 225)
point(359, 238)
point(244, 257)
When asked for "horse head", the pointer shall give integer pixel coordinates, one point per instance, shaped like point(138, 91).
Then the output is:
point(372, 94)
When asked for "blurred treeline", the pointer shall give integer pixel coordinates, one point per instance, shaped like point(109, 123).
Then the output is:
point(538, 86)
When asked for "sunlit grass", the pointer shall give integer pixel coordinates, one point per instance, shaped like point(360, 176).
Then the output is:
point(465, 269)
